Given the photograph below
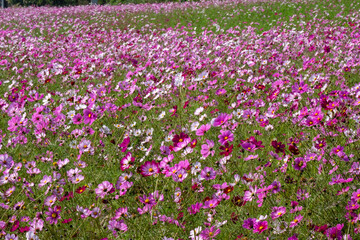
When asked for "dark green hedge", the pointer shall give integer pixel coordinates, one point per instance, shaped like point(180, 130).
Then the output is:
point(79, 2)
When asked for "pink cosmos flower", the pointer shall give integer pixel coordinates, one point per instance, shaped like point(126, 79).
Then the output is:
point(251, 157)
point(117, 226)
point(248, 146)
point(337, 150)
point(278, 212)
point(334, 233)
point(207, 149)
point(149, 168)
point(250, 195)
point(249, 223)
point(147, 200)
point(296, 221)
point(103, 189)
point(180, 175)
point(203, 129)
point(50, 200)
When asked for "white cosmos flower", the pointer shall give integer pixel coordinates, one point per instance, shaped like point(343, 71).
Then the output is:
point(162, 115)
point(203, 117)
point(198, 111)
point(179, 79)
point(194, 126)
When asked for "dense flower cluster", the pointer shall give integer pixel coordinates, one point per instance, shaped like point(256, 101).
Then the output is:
point(114, 133)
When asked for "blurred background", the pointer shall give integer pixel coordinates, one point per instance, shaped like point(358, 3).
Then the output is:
point(9, 3)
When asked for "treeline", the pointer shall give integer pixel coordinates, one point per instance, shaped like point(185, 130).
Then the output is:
point(79, 2)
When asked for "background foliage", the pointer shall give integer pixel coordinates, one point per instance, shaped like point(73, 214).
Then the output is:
point(79, 2)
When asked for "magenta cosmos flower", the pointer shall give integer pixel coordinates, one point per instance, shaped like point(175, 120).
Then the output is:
point(53, 215)
point(126, 161)
point(89, 116)
point(209, 233)
point(151, 201)
point(221, 119)
point(225, 136)
point(334, 233)
point(260, 226)
point(195, 208)
point(208, 173)
point(77, 119)
point(299, 164)
point(149, 168)
point(248, 146)
point(211, 203)
point(249, 223)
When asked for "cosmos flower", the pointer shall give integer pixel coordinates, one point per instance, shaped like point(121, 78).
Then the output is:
point(53, 215)
point(104, 188)
point(225, 136)
point(208, 173)
point(299, 164)
point(211, 203)
point(149, 168)
point(203, 129)
point(85, 146)
point(227, 149)
point(195, 208)
point(50, 200)
point(89, 116)
point(77, 119)
point(278, 212)
point(260, 226)
point(126, 161)
point(249, 223)
point(296, 221)
point(180, 175)
point(210, 233)
point(207, 149)
point(221, 119)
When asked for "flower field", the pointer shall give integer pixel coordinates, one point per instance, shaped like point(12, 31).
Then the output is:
point(194, 120)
